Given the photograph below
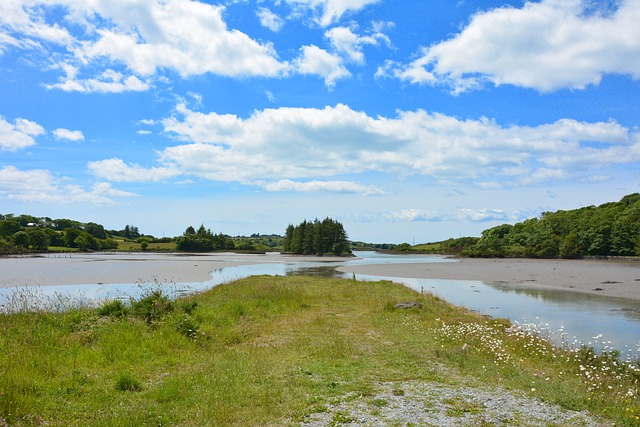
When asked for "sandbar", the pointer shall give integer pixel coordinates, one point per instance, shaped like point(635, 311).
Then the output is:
point(620, 279)
point(118, 268)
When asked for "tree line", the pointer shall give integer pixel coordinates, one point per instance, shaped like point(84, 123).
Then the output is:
point(611, 229)
point(203, 240)
point(317, 238)
point(24, 233)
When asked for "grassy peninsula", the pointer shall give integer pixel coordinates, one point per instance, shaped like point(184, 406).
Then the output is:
point(281, 350)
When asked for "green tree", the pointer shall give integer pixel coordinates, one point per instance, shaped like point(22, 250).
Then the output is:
point(21, 238)
point(38, 239)
point(9, 227)
point(570, 247)
point(70, 236)
point(96, 230)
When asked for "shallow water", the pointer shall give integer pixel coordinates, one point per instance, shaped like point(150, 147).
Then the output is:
point(581, 317)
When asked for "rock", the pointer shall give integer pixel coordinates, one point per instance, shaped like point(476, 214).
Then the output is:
point(408, 305)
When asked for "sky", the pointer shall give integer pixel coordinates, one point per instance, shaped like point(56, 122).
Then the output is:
point(406, 120)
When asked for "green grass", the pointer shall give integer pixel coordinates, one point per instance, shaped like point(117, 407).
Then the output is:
point(264, 350)
point(126, 245)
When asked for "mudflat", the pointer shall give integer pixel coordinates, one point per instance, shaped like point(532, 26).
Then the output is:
point(117, 268)
point(609, 278)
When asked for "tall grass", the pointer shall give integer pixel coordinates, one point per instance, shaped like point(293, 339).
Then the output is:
point(270, 350)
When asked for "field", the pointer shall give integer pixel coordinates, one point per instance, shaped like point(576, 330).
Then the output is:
point(284, 351)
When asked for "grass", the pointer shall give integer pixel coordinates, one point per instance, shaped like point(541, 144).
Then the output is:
point(132, 246)
point(271, 350)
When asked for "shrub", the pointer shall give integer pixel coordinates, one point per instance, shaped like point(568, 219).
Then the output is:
point(153, 306)
point(113, 308)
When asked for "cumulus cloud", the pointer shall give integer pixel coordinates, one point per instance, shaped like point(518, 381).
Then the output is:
point(314, 60)
point(346, 42)
point(39, 185)
point(19, 134)
point(270, 20)
point(292, 148)
point(69, 135)
point(546, 45)
point(187, 37)
point(117, 170)
point(330, 186)
point(330, 11)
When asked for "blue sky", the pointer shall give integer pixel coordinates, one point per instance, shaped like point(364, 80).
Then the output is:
point(408, 121)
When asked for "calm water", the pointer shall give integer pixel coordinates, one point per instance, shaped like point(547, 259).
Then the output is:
point(581, 316)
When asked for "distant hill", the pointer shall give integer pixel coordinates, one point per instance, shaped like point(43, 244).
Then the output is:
point(611, 229)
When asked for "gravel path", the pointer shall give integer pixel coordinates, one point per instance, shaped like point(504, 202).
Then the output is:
point(433, 404)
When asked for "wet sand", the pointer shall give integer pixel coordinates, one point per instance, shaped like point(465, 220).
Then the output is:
point(607, 278)
point(117, 268)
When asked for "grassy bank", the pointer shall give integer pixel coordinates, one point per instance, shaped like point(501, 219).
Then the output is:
point(274, 351)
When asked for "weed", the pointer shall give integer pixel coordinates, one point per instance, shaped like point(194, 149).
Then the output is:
point(188, 326)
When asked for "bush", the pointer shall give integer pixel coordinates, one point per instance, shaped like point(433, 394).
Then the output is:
point(113, 308)
point(153, 306)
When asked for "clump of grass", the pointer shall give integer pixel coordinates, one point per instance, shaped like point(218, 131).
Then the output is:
point(127, 382)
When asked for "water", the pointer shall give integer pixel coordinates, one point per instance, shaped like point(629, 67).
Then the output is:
point(582, 317)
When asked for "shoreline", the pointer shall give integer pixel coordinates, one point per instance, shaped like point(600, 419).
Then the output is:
point(610, 278)
point(618, 279)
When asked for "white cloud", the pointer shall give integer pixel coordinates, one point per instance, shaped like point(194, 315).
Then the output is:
point(117, 170)
point(70, 135)
point(146, 36)
point(545, 45)
point(143, 132)
point(350, 44)
point(307, 143)
point(270, 20)
point(109, 81)
point(330, 186)
point(459, 215)
point(331, 11)
point(20, 134)
point(39, 185)
point(314, 60)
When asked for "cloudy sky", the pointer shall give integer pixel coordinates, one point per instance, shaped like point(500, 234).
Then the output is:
point(406, 120)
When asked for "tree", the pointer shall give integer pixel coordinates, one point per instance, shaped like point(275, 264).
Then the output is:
point(9, 227)
point(570, 247)
point(21, 238)
point(70, 236)
point(317, 237)
point(38, 239)
point(96, 230)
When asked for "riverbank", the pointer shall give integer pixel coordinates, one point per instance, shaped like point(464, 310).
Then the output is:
point(620, 279)
point(299, 351)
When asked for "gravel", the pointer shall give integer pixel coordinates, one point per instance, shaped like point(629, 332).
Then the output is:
point(434, 404)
